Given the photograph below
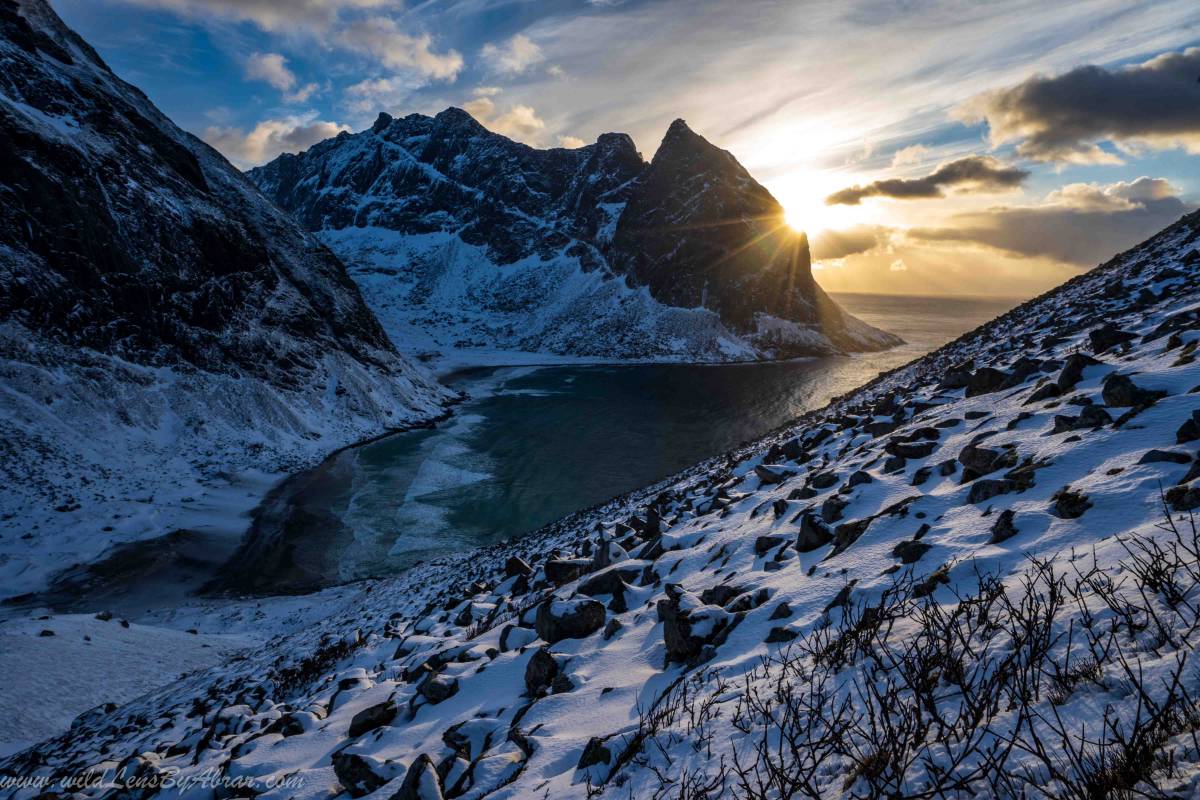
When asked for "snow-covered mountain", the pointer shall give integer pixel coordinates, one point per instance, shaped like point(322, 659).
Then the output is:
point(163, 327)
point(465, 240)
point(977, 576)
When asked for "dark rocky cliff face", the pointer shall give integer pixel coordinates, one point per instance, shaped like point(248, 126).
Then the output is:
point(698, 230)
point(125, 235)
point(692, 226)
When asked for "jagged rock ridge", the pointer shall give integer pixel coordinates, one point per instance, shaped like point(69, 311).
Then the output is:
point(160, 320)
point(468, 238)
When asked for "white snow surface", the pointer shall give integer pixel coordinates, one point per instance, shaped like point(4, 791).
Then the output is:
point(462, 619)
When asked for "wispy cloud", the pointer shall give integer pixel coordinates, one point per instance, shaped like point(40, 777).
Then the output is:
point(270, 15)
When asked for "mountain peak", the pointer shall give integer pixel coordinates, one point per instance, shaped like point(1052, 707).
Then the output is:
point(381, 122)
point(679, 126)
point(456, 117)
point(680, 140)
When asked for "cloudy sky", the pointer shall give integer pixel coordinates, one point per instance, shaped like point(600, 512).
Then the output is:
point(945, 147)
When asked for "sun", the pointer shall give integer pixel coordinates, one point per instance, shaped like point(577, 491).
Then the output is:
point(808, 212)
point(802, 194)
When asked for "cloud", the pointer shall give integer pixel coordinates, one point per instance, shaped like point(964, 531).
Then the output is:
point(382, 38)
point(272, 68)
point(520, 122)
point(1063, 117)
point(376, 94)
point(831, 245)
point(571, 142)
point(970, 174)
point(909, 155)
point(270, 15)
point(1080, 223)
point(270, 137)
point(513, 57)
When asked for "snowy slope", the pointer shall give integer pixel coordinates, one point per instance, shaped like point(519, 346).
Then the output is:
point(898, 595)
point(165, 332)
point(464, 240)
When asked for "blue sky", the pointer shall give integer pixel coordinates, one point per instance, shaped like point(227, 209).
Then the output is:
point(811, 97)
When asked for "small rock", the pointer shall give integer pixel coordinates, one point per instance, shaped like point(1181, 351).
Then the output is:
point(987, 488)
point(611, 627)
point(858, 478)
point(371, 718)
point(565, 570)
point(438, 688)
point(910, 552)
point(568, 619)
point(927, 587)
point(831, 509)
point(421, 781)
point(765, 544)
point(1159, 456)
point(46, 632)
point(1070, 504)
point(516, 566)
point(768, 476)
point(782, 611)
point(1121, 392)
point(1189, 431)
point(813, 533)
point(1072, 371)
point(779, 635)
point(842, 598)
point(594, 753)
point(1183, 498)
point(823, 480)
point(909, 450)
point(540, 672)
point(985, 381)
point(1003, 528)
point(1108, 336)
point(356, 774)
point(691, 630)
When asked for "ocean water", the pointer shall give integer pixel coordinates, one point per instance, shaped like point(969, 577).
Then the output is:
point(534, 444)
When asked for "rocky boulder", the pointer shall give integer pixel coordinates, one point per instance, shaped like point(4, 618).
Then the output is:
point(692, 630)
point(568, 619)
point(371, 718)
point(359, 776)
point(421, 781)
point(1121, 392)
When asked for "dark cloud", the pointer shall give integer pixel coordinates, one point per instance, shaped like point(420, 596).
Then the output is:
point(1062, 117)
point(1078, 224)
point(973, 173)
point(839, 244)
